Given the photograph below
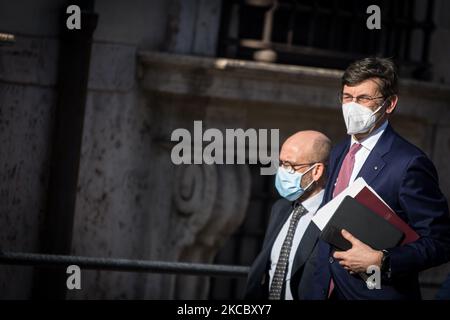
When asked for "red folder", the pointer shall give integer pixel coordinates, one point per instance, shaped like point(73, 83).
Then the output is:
point(371, 201)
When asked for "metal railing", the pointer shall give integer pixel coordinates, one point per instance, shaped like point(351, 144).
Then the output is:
point(125, 265)
point(129, 265)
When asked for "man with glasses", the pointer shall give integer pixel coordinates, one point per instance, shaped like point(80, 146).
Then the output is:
point(284, 269)
point(400, 173)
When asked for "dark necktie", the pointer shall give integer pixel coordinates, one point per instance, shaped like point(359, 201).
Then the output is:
point(281, 268)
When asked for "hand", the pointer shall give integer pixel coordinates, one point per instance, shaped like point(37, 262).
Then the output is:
point(359, 257)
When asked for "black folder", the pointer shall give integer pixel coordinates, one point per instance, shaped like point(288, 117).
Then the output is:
point(363, 223)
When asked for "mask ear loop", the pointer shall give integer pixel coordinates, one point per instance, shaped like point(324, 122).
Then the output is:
point(382, 105)
point(379, 108)
point(309, 185)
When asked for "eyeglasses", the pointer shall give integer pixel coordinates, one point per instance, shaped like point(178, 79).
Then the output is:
point(292, 167)
point(362, 99)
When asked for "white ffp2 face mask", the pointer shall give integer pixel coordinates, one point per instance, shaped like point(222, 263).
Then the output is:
point(358, 118)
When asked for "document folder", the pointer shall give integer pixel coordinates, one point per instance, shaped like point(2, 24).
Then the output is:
point(371, 201)
point(364, 224)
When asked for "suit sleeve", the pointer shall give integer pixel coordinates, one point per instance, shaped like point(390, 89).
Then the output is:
point(427, 212)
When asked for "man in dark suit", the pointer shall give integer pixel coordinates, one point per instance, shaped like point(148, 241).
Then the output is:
point(400, 173)
point(284, 269)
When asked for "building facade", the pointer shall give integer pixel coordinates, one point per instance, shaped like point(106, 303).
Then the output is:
point(156, 66)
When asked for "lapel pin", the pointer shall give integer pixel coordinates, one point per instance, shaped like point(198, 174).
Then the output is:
point(375, 168)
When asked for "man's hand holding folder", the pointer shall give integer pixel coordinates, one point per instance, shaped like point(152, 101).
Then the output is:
point(359, 257)
point(367, 226)
point(370, 233)
point(359, 224)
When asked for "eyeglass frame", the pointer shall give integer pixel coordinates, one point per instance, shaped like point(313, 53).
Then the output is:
point(369, 98)
point(294, 165)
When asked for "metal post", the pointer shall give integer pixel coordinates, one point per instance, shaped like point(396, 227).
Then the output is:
point(56, 232)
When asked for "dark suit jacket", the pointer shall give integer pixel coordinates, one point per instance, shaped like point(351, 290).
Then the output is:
point(407, 180)
point(303, 265)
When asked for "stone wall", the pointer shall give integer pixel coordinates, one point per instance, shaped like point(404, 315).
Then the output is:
point(27, 100)
point(28, 94)
point(440, 44)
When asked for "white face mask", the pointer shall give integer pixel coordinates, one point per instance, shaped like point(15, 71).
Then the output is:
point(358, 118)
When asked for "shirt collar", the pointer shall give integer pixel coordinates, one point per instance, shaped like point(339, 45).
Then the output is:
point(312, 204)
point(370, 142)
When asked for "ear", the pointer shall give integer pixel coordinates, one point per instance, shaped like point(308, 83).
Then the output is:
point(392, 104)
point(318, 171)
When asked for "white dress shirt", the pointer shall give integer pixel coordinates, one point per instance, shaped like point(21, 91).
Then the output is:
point(367, 145)
point(310, 204)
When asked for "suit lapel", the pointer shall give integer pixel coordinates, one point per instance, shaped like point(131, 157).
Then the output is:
point(258, 274)
point(374, 162)
point(372, 167)
point(282, 216)
point(305, 247)
point(278, 222)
